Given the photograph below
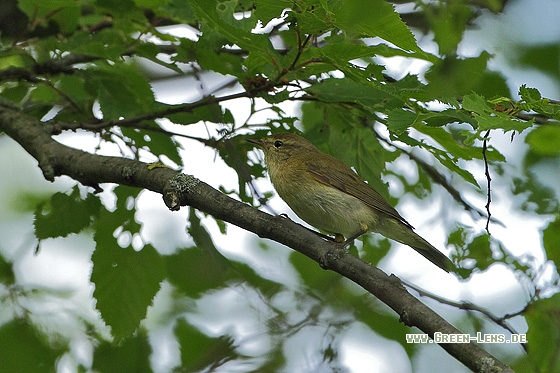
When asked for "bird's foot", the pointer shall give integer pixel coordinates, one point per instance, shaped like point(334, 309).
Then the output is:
point(337, 252)
point(340, 248)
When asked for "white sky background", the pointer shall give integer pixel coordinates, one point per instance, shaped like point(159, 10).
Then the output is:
point(64, 264)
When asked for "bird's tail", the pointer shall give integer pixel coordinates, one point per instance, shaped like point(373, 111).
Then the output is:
point(399, 232)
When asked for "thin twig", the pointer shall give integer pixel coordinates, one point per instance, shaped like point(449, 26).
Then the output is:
point(468, 306)
point(154, 115)
point(301, 47)
point(538, 118)
point(488, 179)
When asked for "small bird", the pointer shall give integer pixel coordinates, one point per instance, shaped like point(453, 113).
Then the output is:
point(327, 194)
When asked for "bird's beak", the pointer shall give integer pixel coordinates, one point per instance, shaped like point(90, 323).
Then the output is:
point(256, 142)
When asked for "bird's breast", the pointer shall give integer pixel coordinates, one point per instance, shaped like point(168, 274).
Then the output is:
point(321, 205)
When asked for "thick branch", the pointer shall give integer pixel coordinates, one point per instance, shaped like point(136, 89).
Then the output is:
point(56, 159)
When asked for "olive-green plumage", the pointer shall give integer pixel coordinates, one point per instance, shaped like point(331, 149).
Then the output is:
point(327, 194)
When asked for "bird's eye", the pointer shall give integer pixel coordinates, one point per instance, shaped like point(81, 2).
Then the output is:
point(278, 143)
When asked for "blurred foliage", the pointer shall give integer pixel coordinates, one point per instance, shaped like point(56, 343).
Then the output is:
point(544, 325)
point(81, 64)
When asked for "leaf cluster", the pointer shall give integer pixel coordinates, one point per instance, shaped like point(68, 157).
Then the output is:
point(84, 66)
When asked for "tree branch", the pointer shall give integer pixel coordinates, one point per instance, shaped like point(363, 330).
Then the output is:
point(56, 159)
point(64, 65)
point(133, 121)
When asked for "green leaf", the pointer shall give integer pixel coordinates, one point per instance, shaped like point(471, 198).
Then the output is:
point(179, 10)
point(533, 101)
point(341, 52)
point(451, 163)
point(7, 275)
point(487, 118)
point(398, 120)
point(210, 56)
point(445, 158)
point(234, 153)
point(457, 149)
point(551, 238)
point(375, 248)
point(492, 84)
point(163, 144)
point(529, 94)
point(157, 143)
point(151, 52)
point(107, 44)
point(544, 333)
point(132, 355)
point(205, 265)
point(340, 48)
point(126, 15)
point(44, 93)
point(126, 282)
point(123, 91)
point(15, 58)
point(451, 78)
point(313, 275)
point(310, 16)
point(198, 351)
point(458, 240)
point(226, 10)
point(24, 350)
point(348, 91)
point(203, 268)
point(448, 21)
point(373, 18)
point(501, 122)
point(476, 103)
point(65, 214)
point(194, 271)
point(68, 17)
point(211, 112)
point(64, 12)
point(74, 88)
point(538, 198)
point(208, 14)
point(150, 4)
point(201, 236)
point(266, 10)
point(544, 140)
point(544, 57)
point(479, 250)
point(16, 93)
point(447, 116)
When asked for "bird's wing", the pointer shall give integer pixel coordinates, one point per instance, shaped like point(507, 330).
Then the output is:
point(350, 183)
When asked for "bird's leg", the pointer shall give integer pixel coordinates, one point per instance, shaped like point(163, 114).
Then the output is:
point(341, 247)
point(349, 240)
